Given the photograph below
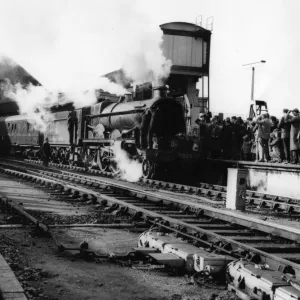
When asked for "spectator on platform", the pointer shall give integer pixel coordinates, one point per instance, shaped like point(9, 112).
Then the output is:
point(214, 138)
point(285, 126)
point(227, 139)
point(274, 123)
point(207, 117)
point(246, 147)
point(254, 148)
point(294, 134)
point(237, 137)
point(248, 139)
point(275, 146)
point(264, 130)
point(203, 128)
point(252, 140)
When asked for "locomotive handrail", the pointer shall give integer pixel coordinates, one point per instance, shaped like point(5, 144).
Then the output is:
point(61, 119)
point(105, 140)
point(140, 106)
point(96, 141)
point(117, 113)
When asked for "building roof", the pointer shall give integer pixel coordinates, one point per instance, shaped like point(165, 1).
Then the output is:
point(119, 77)
point(12, 72)
point(185, 29)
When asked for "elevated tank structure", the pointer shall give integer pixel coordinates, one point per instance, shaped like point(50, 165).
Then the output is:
point(187, 45)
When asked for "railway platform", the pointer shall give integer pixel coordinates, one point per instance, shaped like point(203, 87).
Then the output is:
point(272, 178)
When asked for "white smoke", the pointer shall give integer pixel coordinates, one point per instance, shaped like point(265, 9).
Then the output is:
point(35, 101)
point(111, 87)
point(73, 47)
point(130, 170)
point(145, 61)
point(32, 102)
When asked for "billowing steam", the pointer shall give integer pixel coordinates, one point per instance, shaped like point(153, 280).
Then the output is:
point(73, 47)
point(146, 62)
point(130, 170)
point(35, 101)
point(111, 87)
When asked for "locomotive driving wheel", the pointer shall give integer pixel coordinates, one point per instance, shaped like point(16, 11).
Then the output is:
point(103, 161)
point(148, 169)
point(114, 167)
point(88, 160)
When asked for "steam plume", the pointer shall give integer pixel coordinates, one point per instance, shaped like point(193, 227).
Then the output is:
point(35, 101)
point(146, 62)
point(32, 101)
point(131, 170)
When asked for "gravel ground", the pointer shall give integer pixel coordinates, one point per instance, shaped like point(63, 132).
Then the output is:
point(47, 274)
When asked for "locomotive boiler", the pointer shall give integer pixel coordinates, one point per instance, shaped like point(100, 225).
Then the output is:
point(152, 131)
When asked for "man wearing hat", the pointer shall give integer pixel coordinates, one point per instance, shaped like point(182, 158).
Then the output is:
point(202, 132)
point(285, 128)
point(294, 134)
point(263, 135)
point(275, 143)
point(46, 152)
point(227, 139)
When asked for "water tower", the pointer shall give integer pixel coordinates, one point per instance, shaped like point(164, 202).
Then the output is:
point(187, 45)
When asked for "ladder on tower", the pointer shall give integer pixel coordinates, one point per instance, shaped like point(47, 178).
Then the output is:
point(258, 108)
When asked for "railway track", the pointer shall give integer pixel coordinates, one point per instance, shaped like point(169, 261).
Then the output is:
point(218, 230)
point(215, 194)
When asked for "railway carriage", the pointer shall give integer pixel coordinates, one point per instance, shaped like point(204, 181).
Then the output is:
point(19, 136)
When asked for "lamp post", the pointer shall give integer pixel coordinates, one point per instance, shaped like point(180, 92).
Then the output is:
point(253, 75)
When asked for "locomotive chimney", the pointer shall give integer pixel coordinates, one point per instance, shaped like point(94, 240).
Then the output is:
point(160, 92)
point(126, 98)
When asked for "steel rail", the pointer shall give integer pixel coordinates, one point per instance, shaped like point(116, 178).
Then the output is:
point(194, 213)
point(225, 215)
point(211, 192)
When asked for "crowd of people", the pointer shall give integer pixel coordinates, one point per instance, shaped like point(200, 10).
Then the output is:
point(262, 139)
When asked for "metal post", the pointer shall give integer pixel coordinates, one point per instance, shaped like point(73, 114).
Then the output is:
point(208, 104)
point(202, 87)
point(253, 75)
point(252, 85)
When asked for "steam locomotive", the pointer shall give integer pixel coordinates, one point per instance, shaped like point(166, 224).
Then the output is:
point(151, 131)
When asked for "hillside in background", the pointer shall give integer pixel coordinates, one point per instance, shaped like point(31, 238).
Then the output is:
point(12, 73)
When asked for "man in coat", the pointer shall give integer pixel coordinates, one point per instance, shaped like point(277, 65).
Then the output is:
point(72, 126)
point(46, 152)
point(203, 127)
point(285, 128)
point(275, 146)
point(263, 135)
point(227, 137)
point(294, 134)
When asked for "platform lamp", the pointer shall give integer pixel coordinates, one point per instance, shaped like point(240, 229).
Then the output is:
point(253, 74)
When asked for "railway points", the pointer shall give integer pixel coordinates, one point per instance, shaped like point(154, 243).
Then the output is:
point(45, 273)
point(273, 237)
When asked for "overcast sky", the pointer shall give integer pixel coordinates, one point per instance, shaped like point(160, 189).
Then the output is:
point(69, 43)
